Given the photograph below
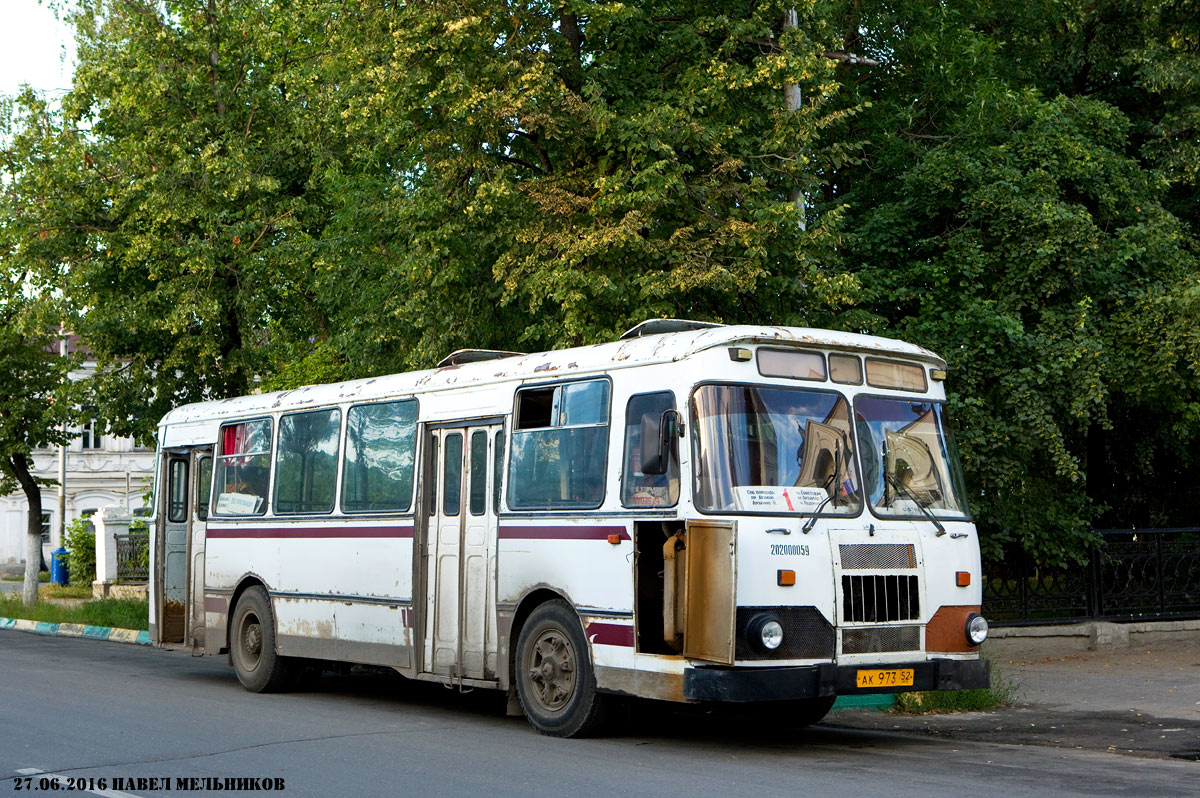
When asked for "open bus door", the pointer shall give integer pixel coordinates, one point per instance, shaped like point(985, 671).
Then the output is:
point(187, 477)
point(710, 595)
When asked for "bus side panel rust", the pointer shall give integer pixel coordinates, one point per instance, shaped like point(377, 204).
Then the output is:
point(371, 634)
point(645, 684)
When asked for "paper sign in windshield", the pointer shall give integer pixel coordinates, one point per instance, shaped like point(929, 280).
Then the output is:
point(772, 499)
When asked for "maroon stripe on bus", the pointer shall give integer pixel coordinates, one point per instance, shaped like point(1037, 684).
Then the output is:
point(562, 532)
point(610, 634)
point(216, 604)
point(331, 531)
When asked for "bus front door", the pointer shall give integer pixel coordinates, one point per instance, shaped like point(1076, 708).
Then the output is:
point(459, 553)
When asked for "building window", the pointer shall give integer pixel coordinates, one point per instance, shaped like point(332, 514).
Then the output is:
point(90, 438)
point(45, 527)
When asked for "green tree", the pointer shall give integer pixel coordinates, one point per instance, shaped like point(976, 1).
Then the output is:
point(170, 197)
point(537, 175)
point(1015, 210)
point(36, 396)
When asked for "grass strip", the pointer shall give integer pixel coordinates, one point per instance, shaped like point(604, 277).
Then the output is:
point(115, 613)
point(1002, 693)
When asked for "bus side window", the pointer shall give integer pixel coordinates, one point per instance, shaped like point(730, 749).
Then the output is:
point(204, 467)
point(647, 490)
point(380, 457)
point(178, 492)
point(559, 447)
point(497, 472)
point(306, 462)
point(243, 467)
point(478, 472)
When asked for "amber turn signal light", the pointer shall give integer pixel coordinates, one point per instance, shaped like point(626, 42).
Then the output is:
point(614, 539)
point(962, 578)
point(785, 578)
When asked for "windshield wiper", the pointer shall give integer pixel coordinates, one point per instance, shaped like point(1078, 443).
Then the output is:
point(900, 488)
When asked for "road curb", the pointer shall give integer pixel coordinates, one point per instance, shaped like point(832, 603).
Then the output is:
point(134, 636)
point(1010, 641)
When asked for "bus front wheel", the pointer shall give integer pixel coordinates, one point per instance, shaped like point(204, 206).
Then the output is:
point(555, 680)
point(252, 644)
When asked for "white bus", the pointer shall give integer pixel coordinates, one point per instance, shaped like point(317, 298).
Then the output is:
point(692, 513)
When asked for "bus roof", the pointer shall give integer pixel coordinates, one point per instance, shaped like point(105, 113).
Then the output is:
point(643, 349)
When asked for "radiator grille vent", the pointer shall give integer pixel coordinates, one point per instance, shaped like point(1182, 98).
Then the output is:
point(876, 598)
point(877, 556)
point(879, 639)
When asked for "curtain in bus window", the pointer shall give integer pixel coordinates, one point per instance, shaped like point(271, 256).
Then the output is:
point(243, 468)
point(381, 442)
point(306, 462)
point(562, 464)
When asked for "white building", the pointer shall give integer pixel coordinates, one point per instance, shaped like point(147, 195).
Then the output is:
point(101, 470)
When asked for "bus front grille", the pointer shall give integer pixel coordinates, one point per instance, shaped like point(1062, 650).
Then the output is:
point(878, 598)
point(881, 639)
point(877, 556)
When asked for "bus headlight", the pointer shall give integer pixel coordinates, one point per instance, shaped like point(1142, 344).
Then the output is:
point(765, 632)
point(977, 629)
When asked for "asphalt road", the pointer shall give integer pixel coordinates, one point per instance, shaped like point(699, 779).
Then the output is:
point(84, 709)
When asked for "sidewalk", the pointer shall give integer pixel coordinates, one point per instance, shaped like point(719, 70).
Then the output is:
point(1142, 700)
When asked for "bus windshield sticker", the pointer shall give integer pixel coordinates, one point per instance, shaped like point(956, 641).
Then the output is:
point(238, 504)
point(776, 499)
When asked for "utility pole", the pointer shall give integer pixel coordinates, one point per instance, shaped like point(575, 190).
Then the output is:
point(62, 461)
point(791, 96)
point(792, 99)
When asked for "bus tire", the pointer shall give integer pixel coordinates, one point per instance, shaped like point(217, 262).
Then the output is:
point(252, 645)
point(555, 680)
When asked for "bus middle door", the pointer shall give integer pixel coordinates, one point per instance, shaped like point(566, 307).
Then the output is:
point(460, 635)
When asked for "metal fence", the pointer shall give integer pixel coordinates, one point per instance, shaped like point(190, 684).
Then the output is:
point(133, 557)
point(1136, 574)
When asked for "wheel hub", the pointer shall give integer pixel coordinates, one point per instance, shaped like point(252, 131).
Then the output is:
point(552, 670)
point(252, 640)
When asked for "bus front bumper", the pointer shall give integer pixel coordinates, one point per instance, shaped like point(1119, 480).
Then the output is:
point(814, 681)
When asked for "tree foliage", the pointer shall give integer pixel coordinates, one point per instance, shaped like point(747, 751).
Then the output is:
point(268, 192)
point(37, 399)
point(1024, 209)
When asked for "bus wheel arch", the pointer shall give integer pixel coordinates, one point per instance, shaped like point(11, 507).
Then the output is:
point(552, 669)
point(251, 634)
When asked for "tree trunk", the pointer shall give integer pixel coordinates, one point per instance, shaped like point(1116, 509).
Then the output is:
point(33, 526)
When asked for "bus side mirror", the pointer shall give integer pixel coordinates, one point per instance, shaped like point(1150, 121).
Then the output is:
point(659, 435)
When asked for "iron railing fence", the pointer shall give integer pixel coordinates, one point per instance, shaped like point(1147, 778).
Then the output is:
point(1135, 574)
point(133, 560)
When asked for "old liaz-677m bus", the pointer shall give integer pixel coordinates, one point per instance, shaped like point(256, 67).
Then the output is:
point(693, 513)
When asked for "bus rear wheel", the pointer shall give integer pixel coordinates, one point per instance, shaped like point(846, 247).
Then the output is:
point(252, 645)
point(555, 680)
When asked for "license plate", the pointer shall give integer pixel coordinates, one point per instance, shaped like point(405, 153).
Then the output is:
point(898, 677)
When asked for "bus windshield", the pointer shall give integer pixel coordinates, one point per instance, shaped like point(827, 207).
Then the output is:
point(773, 450)
point(908, 458)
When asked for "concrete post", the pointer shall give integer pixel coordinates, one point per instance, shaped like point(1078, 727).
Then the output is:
point(109, 522)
